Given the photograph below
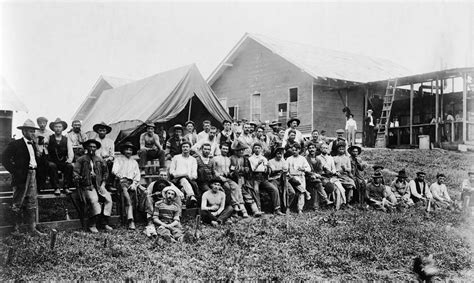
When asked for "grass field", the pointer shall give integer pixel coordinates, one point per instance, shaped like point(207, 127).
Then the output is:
point(343, 245)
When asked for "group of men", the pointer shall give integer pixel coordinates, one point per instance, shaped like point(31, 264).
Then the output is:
point(223, 172)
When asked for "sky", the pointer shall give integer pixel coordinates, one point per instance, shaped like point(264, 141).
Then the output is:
point(52, 53)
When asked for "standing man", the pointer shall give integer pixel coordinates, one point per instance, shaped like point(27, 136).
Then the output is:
point(19, 158)
point(150, 147)
point(61, 156)
point(173, 144)
point(369, 129)
point(91, 173)
point(127, 171)
point(107, 149)
point(42, 139)
point(272, 137)
point(351, 129)
point(292, 124)
point(206, 128)
point(77, 137)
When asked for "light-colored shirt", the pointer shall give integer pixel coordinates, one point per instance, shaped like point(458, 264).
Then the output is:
point(298, 138)
point(297, 163)
point(127, 168)
point(351, 124)
point(327, 162)
point(371, 122)
point(45, 134)
point(214, 146)
point(415, 193)
point(255, 159)
point(107, 148)
point(76, 139)
point(184, 166)
point(202, 136)
point(247, 140)
point(439, 192)
point(31, 151)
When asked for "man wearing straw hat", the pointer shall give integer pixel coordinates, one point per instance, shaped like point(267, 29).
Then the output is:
point(19, 158)
point(61, 156)
point(292, 124)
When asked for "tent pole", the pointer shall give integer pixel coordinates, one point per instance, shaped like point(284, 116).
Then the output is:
point(190, 105)
point(411, 113)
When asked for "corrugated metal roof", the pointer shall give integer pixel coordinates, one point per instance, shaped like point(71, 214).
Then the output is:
point(321, 62)
point(9, 100)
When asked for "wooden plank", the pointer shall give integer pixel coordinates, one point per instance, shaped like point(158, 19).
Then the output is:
point(437, 138)
point(411, 113)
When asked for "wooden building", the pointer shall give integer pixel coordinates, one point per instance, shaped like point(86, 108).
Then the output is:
point(264, 79)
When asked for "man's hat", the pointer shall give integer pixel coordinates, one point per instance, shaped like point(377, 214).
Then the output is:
point(377, 166)
point(293, 119)
point(102, 125)
point(253, 123)
point(39, 119)
point(189, 122)
point(28, 125)
point(256, 144)
point(351, 148)
point(150, 124)
point(275, 123)
point(226, 121)
point(240, 146)
point(340, 131)
point(58, 121)
point(177, 126)
point(166, 189)
point(377, 175)
point(402, 174)
point(128, 145)
point(420, 173)
point(89, 141)
point(440, 175)
point(370, 110)
point(279, 148)
point(216, 180)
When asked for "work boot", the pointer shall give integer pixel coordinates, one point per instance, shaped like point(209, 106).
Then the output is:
point(278, 212)
point(244, 211)
point(131, 225)
point(256, 212)
point(93, 229)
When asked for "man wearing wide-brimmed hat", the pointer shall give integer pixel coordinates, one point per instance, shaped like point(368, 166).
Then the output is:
point(126, 169)
point(77, 137)
point(173, 144)
point(107, 149)
point(91, 173)
point(150, 147)
point(273, 135)
point(401, 190)
point(166, 215)
point(19, 158)
point(61, 156)
point(293, 124)
point(357, 168)
point(376, 194)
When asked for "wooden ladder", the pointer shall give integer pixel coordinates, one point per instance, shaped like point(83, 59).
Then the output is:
point(382, 132)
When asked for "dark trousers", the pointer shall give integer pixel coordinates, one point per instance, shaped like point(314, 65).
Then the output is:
point(287, 193)
point(369, 137)
point(42, 171)
point(207, 217)
point(150, 154)
point(64, 167)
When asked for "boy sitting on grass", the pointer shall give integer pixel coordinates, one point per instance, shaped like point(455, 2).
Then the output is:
point(213, 208)
point(166, 216)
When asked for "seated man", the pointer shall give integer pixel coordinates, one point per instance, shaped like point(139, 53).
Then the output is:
point(41, 140)
point(240, 173)
point(183, 173)
point(77, 137)
point(376, 194)
point(278, 177)
point(262, 139)
point(232, 190)
point(439, 191)
point(401, 190)
point(126, 170)
point(173, 144)
point(90, 172)
point(293, 124)
point(203, 136)
point(150, 147)
point(153, 194)
point(166, 216)
point(338, 141)
point(419, 189)
point(328, 170)
point(107, 149)
point(317, 183)
point(357, 166)
point(190, 135)
point(213, 205)
point(205, 168)
point(60, 156)
point(467, 188)
point(226, 135)
point(259, 170)
point(315, 139)
point(297, 167)
point(343, 166)
point(290, 142)
point(245, 139)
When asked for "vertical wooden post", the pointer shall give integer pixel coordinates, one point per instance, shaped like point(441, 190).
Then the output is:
point(464, 108)
point(411, 113)
point(366, 107)
point(437, 139)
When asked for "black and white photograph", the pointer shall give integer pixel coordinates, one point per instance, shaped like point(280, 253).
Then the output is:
point(236, 141)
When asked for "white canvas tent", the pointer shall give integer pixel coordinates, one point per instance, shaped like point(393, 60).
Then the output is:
point(169, 97)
